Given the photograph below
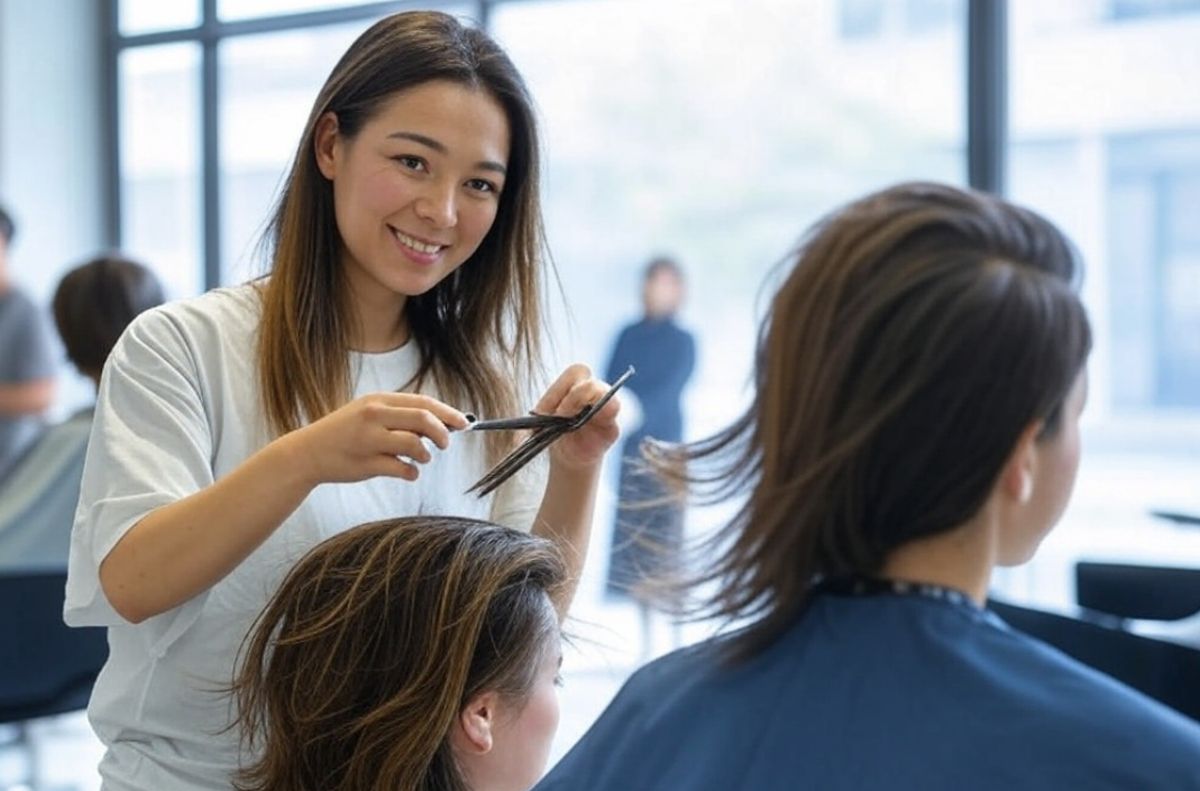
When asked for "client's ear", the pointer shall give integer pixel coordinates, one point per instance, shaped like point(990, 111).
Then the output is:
point(1016, 480)
point(473, 734)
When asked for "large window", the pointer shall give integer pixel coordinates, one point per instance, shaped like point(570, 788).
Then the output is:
point(1153, 244)
point(150, 16)
point(248, 9)
point(270, 83)
point(161, 163)
point(716, 132)
point(1106, 141)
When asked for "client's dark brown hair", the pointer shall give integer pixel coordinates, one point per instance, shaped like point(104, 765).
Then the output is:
point(355, 672)
point(916, 334)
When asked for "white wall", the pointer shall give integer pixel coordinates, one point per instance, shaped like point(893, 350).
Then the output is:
point(51, 157)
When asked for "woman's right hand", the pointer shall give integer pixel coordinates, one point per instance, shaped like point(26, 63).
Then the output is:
point(184, 548)
point(381, 434)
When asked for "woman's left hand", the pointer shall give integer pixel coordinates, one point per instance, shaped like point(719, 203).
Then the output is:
point(573, 391)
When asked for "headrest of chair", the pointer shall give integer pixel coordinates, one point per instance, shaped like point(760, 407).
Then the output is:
point(1160, 593)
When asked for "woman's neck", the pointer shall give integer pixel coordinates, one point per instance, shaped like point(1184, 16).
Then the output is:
point(377, 319)
point(372, 337)
point(961, 559)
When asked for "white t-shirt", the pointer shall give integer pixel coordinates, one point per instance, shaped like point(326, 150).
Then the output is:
point(178, 408)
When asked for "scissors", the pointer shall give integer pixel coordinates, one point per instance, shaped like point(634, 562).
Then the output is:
point(546, 429)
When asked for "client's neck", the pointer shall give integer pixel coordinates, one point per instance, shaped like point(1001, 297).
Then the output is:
point(961, 559)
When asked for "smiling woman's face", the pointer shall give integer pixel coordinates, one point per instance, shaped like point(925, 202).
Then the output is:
point(418, 188)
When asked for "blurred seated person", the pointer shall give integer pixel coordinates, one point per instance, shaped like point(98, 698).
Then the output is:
point(92, 306)
point(419, 653)
point(26, 362)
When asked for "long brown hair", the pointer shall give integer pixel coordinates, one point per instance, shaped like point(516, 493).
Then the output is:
point(918, 332)
point(356, 670)
point(478, 329)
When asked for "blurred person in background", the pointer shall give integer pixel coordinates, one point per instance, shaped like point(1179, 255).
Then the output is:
point(26, 361)
point(93, 304)
point(647, 532)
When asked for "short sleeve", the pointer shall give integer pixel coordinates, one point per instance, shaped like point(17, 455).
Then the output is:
point(151, 445)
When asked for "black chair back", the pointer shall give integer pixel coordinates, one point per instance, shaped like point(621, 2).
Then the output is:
point(1159, 593)
point(1167, 672)
point(46, 667)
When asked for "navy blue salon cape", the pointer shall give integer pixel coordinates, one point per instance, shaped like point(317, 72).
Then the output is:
point(882, 692)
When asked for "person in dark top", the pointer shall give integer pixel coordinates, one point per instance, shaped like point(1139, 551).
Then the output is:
point(915, 423)
point(648, 528)
point(26, 362)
